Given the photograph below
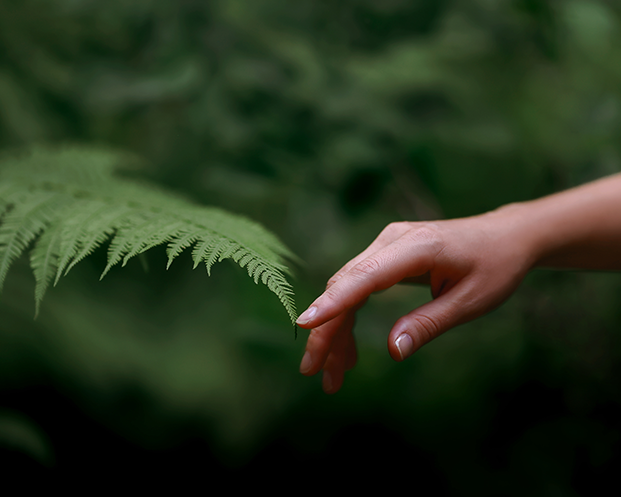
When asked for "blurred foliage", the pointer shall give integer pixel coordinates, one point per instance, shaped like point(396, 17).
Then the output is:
point(22, 436)
point(324, 121)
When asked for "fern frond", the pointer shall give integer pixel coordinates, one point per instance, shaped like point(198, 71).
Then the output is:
point(68, 202)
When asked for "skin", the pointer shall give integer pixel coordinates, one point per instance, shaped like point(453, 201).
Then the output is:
point(472, 265)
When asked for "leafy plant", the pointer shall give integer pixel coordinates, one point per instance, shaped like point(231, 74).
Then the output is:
point(68, 201)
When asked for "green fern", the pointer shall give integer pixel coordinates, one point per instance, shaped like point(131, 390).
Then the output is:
point(66, 202)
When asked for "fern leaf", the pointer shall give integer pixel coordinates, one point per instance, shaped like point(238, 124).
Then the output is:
point(8, 192)
point(44, 261)
point(72, 230)
point(140, 236)
point(96, 234)
point(161, 231)
point(22, 225)
point(178, 245)
point(208, 250)
point(68, 202)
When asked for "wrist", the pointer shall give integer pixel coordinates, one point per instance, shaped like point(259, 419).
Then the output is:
point(519, 226)
point(578, 228)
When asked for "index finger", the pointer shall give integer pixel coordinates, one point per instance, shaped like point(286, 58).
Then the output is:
point(388, 235)
point(408, 256)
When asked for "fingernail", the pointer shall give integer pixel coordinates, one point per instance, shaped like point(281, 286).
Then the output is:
point(404, 345)
point(306, 364)
point(307, 315)
point(327, 382)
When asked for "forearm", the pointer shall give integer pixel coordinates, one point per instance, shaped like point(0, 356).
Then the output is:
point(579, 228)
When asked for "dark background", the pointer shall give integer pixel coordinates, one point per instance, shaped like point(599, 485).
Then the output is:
point(324, 121)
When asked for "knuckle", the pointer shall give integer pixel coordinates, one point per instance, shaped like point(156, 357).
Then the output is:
point(396, 228)
point(333, 280)
point(428, 234)
point(367, 267)
point(330, 295)
point(425, 232)
point(427, 328)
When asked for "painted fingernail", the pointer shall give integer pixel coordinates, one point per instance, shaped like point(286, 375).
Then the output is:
point(327, 382)
point(306, 364)
point(404, 345)
point(307, 315)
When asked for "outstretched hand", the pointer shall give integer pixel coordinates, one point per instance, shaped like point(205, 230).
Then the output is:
point(472, 265)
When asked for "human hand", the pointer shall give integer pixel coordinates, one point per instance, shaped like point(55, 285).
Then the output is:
point(472, 265)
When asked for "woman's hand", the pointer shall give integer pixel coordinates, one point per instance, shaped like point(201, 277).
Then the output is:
point(471, 264)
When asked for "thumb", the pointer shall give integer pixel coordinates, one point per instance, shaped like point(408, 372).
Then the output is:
point(429, 321)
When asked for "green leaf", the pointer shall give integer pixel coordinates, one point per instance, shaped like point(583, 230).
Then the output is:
point(69, 202)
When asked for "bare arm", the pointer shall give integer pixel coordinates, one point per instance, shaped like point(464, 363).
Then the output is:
point(472, 265)
point(578, 228)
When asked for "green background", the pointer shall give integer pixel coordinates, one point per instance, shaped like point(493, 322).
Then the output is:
point(324, 120)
